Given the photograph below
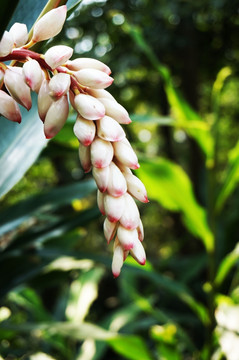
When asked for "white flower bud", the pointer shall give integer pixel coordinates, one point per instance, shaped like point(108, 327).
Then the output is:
point(136, 188)
point(109, 229)
point(59, 84)
point(101, 153)
point(18, 89)
point(87, 63)
point(140, 230)
point(44, 99)
point(56, 117)
point(84, 130)
point(84, 155)
point(101, 177)
point(89, 107)
point(109, 129)
point(116, 184)
point(6, 44)
point(118, 260)
point(33, 74)
point(116, 111)
point(100, 93)
point(125, 154)
point(100, 202)
point(50, 24)
point(127, 238)
point(130, 217)
point(19, 34)
point(57, 55)
point(138, 253)
point(93, 78)
point(9, 108)
point(114, 207)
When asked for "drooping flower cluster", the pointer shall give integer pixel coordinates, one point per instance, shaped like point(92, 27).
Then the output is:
point(103, 147)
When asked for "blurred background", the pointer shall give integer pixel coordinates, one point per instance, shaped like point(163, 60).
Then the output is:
point(175, 69)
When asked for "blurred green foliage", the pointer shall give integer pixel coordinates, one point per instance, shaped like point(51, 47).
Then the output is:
point(175, 65)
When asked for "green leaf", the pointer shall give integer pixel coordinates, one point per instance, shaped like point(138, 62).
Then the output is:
point(131, 347)
point(171, 187)
point(226, 265)
point(7, 9)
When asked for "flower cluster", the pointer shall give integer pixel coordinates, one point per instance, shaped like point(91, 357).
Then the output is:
point(103, 147)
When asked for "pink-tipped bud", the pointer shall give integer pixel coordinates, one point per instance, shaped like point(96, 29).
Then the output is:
point(109, 129)
point(19, 34)
point(116, 185)
point(58, 55)
point(84, 156)
point(9, 108)
point(84, 130)
point(33, 75)
point(109, 230)
point(93, 78)
point(114, 207)
point(127, 238)
point(59, 84)
point(87, 63)
point(116, 111)
point(18, 89)
point(100, 93)
point(89, 107)
point(101, 177)
point(100, 202)
point(56, 117)
point(140, 230)
point(101, 153)
point(118, 260)
point(138, 253)
point(125, 154)
point(130, 217)
point(50, 24)
point(44, 100)
point(6, 44)
point(136, 188)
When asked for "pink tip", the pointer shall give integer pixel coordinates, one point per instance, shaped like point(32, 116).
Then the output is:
point(102, 189)
point(116, 275)
point(19, 121)
point(146, 200)
point(142, 262)
point(128, 246)
point(87, 142)
point(99, 164)
point(135, 166)
point(112, 219)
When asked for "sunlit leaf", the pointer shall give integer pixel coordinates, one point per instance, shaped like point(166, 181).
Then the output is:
point(226, 265)
point(131, 347)
point(171, 187)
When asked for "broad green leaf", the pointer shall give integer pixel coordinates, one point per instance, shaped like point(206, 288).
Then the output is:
point(226, 265)
point(131, 347)
point(171, 187)
point(44, 202)
point(7, 9)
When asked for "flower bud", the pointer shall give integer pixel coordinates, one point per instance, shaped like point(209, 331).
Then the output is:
point(101, 177)
point(125, 154)
point(101, 153)
point(50, 24)
point(6, 44)
point(116, 111)
point(109, 229)
point(140, 230)
point(136, 188)
point(93, 78)
point(84, 155)
point(59, 84)
point(100, 202)
point(89, 107)
point(56, 117)
point(44, 99)
point(127, 238)
point(116, 184)
point(19, 34)
point(130, 217)
point(87, 63)
point(138, 253)
point(114, 207)
point(32, 73)
point(18, 89)
point(109, 129)
point(9, 108)
point(100, 93)
point(118, 260)
point(58, 55)
point(84, 130)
